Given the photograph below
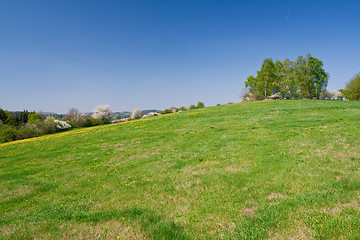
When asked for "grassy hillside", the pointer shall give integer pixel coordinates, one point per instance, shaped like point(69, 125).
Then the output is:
point(276, 169)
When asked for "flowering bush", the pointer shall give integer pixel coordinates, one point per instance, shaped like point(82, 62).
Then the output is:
point(136, 114)
point(62, 125)
point(103, 113)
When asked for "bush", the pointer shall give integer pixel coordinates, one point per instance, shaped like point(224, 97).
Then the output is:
point(136, 114)
point(325, 95)
point(182, 108)
point(46, 127)
point(166, 111)
point(75, 124)
point(8, 134)
point(61, 125)
point(27, 132)
point(90, 121)
point(103, 113)
point(192, 107)
point(249, 97)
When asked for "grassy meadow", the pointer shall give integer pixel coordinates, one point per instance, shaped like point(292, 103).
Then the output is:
point(260, 170)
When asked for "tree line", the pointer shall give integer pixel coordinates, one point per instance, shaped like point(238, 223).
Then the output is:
point(25, 124)
point(303, 78)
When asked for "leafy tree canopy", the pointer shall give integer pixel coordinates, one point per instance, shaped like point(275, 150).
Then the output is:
point(352, 88)
point(304, 78)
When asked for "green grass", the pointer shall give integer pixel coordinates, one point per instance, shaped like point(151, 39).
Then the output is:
point(275, 169)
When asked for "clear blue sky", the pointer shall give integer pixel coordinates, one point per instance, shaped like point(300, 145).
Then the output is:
point(151, 54)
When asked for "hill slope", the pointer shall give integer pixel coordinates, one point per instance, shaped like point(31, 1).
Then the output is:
point(276, 169)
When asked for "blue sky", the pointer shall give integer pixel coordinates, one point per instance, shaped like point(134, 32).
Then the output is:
point(55, 55)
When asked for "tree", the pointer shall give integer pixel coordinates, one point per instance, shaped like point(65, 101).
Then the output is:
point(267, 80)
point(304, 78)
point(136, 114)
point(103, 113)
point(42, 115)
point(21, 118)
point(74, 115)
point(311, 77)
point(200, 105)
point(33, 117)
point(352, 88)
point(75, 118)
point(3, 116)
point(288, 86)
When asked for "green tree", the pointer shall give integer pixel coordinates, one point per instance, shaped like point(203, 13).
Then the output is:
point(33, 117)
point(310, 76)
point(288, 86)
point(5, 117)
point(267, 80)
point(200, 105)
point(304, 78)
point(352, 88)
point(21, 118)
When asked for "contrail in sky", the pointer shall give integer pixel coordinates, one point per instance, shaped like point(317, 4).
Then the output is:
point(287, 17)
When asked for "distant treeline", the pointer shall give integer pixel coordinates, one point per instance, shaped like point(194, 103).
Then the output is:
point(25, 124)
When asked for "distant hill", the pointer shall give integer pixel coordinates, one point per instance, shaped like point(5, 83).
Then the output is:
point(148, 111)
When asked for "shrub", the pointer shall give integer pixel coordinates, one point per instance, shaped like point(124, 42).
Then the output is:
point(249, 97)
point(62, 125)
point(27, 132)
point(103, 113)
point(8, 134)
point(46, 127)
point(166, 111)
point(75, 124)
point(136, 114)
point(325, 95)
point(182, 108)
point(90, 121)
point(336, 94)
point(192, 107)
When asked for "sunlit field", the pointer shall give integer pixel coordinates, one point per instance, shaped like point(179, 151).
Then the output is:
point(273, 169)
